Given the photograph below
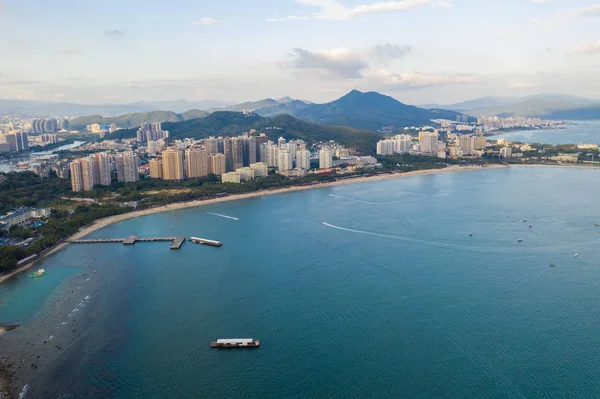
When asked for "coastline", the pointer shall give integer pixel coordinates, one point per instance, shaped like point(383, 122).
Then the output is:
point(100, 223)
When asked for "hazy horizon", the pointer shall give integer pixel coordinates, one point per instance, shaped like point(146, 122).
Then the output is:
point(417, 51)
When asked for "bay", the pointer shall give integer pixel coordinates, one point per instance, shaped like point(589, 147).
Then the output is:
point(11, 164)
point(364, 290)
point(579, 132)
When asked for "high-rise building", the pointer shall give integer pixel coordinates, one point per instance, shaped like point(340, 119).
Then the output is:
point(156, 168)
point(260, 140)
point(291, 147)
point(155, 146)
point(272, 155)
point(260, 169)
point(76, 175)
point(211, 145)
point(197, 163)
point(386, 147)
point(249, 150)
point(94, 167)
point(228, 151)
point(466, 144)
point(506, 152)
point(325, 158)
point(303, 159)
point(88, 173)
point(479, 143)
point(104, 169)
point(280, 142)
point(217, 164)
point(428, 142)
point(127, 167)
point(173, 164)
point(285, 161)
point(403, 143)
point(11, 140)
point(237, 149)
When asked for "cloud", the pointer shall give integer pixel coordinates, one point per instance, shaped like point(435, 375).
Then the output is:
point(209, 21)
point(288, 18)
point(70, 51)
point(341, 62)
point(388, 51)
point(540, 1)
point(591, 11)
point(334, 10)
point(417, 80)
point(587, 49)
point(521, 84)
point(115, 33)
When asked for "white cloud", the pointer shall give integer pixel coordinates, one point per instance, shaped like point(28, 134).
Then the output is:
point(587, 49)
point(416, 80)
point(591, 11)
point(334, 10)
point(288, 18)
point(209, 21)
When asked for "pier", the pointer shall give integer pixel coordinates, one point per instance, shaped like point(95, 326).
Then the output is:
point(176, 242)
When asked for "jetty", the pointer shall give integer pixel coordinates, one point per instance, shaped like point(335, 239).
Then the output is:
point(176, 242)
point(235, 343)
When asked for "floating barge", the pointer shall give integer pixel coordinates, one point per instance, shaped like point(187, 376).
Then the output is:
point(235, 343)
point(204, 241)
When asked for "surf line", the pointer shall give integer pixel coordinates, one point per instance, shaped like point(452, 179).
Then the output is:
point(223, 216)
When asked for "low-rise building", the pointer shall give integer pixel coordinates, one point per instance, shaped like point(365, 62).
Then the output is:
point(246, 173)
point(23, 217)
point(231, 177)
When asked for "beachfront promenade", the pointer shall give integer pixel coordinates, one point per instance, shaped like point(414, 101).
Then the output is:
point(176, 242)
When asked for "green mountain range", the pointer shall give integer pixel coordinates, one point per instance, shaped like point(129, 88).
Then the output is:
point(136, 119)
point(226, 123)
point(361, 111)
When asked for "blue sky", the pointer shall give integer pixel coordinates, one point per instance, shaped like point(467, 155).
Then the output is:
point(418, 51)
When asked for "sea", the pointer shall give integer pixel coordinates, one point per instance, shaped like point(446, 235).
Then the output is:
point(576, 132)
point(10, 165)
point(375, 289)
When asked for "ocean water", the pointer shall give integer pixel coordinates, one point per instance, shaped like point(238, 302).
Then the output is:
point(364, 290)
point(580, 132)
point(11, 165)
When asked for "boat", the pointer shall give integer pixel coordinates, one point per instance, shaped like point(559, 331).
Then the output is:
point(204, 241)
point(576, 254)
point(23, 165)
point(470, 234)
point(235, 343)
point(597, 225)
point(520, 240)
point(552, 265)
point(37, 274)
point(524, 220)
point(530, 226)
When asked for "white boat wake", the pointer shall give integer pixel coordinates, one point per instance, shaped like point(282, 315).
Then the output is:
point(223, 216)
point(367, 202)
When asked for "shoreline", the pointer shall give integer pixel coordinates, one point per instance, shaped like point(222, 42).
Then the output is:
point(101, 223)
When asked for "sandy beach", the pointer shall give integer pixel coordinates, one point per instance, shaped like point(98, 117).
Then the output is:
point(100, 223)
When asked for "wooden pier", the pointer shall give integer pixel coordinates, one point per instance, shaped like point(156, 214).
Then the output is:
point(176, 242)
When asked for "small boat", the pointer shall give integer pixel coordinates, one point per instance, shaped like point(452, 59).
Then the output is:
point(576, 255)
point(470, 234)
point(530, 226)
point(524, 220)
point(37, 274)
point(597, 225)
point(552, 265)
point(520, 240)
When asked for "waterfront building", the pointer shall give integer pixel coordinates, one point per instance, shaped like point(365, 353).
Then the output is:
point(284, 161)
point(303, 159)
point(386, 147)
point(156, 168)
point(237, 152)
point(17, 141)
point(246, 173)
point(479, 143)
point(325, 158)
point(260, 140)
point(197, 163)
point(228, 152)
point(127, 167)
point(403, 142)
point(272, 155)
point(23, 217)
point(76, 175)
point(428, 142)
point(231, 177)
point(260, 169)
point(467, 144)
point(173, 164)
point(249, 150)
point(217, 164)
point(506, 152)
point(104, 169)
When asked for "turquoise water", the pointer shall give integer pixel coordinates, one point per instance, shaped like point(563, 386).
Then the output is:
point(389, 298)
point(581, 132)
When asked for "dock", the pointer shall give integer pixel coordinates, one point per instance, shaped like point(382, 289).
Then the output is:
point(176, 242)
point(235, 343)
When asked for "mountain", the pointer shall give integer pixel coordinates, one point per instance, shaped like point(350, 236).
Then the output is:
point(539, 105)
point(136, 119)
point(48, 109)
point(227, 123)
point(361, 111)
point(250, 105)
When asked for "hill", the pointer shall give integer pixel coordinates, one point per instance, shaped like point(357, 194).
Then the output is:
point(136, 119)
point(362, 111)
point(225, 123)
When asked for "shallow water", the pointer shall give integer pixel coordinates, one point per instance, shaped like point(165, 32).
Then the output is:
point(365, 290)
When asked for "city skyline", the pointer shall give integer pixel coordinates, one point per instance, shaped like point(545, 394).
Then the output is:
point(418, 51)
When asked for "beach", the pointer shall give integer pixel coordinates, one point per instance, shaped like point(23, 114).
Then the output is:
point(100, 223)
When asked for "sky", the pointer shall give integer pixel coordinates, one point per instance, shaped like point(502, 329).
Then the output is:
point(418, 51)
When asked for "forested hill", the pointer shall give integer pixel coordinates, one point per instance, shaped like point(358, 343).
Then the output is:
point(136, 119)
point(225, 123)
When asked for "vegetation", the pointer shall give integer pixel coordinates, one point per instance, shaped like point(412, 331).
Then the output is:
point(136, 119)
